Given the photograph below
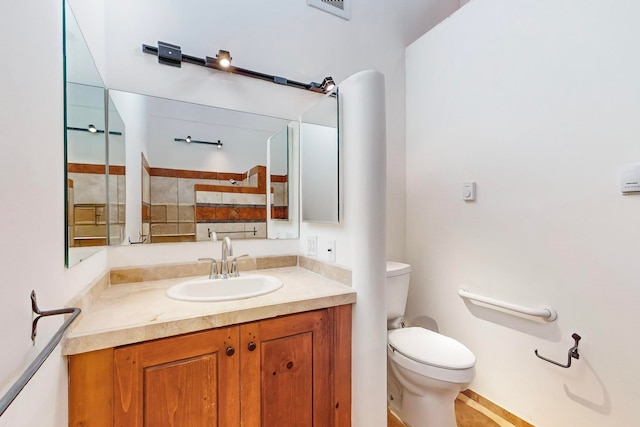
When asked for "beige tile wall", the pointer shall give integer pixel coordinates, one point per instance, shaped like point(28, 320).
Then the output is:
point(173, 200)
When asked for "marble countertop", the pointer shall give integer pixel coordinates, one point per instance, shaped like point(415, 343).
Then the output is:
point(135, 312)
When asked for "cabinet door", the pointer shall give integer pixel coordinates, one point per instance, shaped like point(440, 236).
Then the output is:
point(285, 371)
point(185, 381)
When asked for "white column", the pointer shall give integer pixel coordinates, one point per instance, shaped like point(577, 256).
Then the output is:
point(363, 132)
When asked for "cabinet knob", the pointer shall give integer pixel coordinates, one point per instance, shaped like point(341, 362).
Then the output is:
point(251, 346)
point(230, 351)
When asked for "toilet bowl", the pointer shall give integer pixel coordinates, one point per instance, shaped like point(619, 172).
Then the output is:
point(429, 369)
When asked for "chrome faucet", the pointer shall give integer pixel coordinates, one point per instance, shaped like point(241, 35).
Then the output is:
point(227, 250)
point(235, 271)
point(213, 274)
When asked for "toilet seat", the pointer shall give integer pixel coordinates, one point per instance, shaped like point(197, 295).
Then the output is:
point(430, 348)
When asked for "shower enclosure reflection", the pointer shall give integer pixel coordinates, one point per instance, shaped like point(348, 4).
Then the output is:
point(190, 191)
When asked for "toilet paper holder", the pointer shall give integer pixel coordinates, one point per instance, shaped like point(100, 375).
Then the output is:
point(573, 353)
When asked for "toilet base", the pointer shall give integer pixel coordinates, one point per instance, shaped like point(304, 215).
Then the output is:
point(434, 406)
point(394, 391)
point(434, 409)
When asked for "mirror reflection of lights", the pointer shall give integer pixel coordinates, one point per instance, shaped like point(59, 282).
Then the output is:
point(190, 140)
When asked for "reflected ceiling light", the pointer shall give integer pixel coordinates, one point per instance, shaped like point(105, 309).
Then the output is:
point(223, 58)
point(170, 54)
point(93, 129)
point(189, 140)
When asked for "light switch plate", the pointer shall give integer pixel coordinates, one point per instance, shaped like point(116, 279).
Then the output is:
point(331, 251)
point(312, 246)
point(630, 179)
point(469, 190)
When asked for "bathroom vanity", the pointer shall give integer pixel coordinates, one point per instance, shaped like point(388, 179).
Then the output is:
point(279, 359)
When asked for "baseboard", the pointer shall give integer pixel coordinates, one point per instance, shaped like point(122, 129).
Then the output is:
point(501, 412)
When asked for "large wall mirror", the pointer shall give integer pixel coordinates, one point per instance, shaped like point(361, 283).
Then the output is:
point(143, 170)
point(86, 149)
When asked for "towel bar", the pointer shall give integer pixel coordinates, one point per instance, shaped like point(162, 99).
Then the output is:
point(21, 382)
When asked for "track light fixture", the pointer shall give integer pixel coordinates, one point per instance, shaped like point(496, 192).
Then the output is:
point(170, 54)
point(190, 140)
point(92, 129)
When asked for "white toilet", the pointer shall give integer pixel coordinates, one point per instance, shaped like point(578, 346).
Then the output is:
point(429, 369)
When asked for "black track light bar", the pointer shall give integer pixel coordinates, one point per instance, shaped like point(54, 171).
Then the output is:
point(170, 54)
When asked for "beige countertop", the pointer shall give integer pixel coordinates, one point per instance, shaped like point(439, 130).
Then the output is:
point(135, 312)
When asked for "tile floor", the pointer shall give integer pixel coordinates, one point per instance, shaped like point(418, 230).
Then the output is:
point(469, 413)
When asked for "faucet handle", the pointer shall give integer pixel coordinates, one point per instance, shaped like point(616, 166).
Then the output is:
point(234, 266)
point(214, 267)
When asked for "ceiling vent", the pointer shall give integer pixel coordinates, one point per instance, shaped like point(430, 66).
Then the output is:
point(341, 8)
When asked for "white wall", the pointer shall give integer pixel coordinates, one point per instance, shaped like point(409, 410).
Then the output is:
point(31, 107)
point(32, 226)
point(538, 102)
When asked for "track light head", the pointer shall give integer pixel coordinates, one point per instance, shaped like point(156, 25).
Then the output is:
point(223, 58)
point(188, 139)
point(92, 129)
point(328, 84)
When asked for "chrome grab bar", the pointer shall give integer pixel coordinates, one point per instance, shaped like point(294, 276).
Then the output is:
point(546, 312)
point(21, 382)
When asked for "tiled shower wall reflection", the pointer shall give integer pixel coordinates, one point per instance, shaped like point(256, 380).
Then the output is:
point(87, 213)
point(187, 205)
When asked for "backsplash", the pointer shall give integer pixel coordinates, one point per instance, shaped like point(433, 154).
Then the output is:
point(190, 269)
point(325, 269)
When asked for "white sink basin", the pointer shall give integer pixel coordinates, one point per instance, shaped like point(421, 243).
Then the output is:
point(233, 288)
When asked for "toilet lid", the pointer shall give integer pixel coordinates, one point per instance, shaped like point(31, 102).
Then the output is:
point(431, 348)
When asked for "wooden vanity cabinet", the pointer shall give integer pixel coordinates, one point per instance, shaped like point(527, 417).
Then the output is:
point(292, 371)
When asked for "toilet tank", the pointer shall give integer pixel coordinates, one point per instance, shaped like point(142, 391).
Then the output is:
point(397, 288)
